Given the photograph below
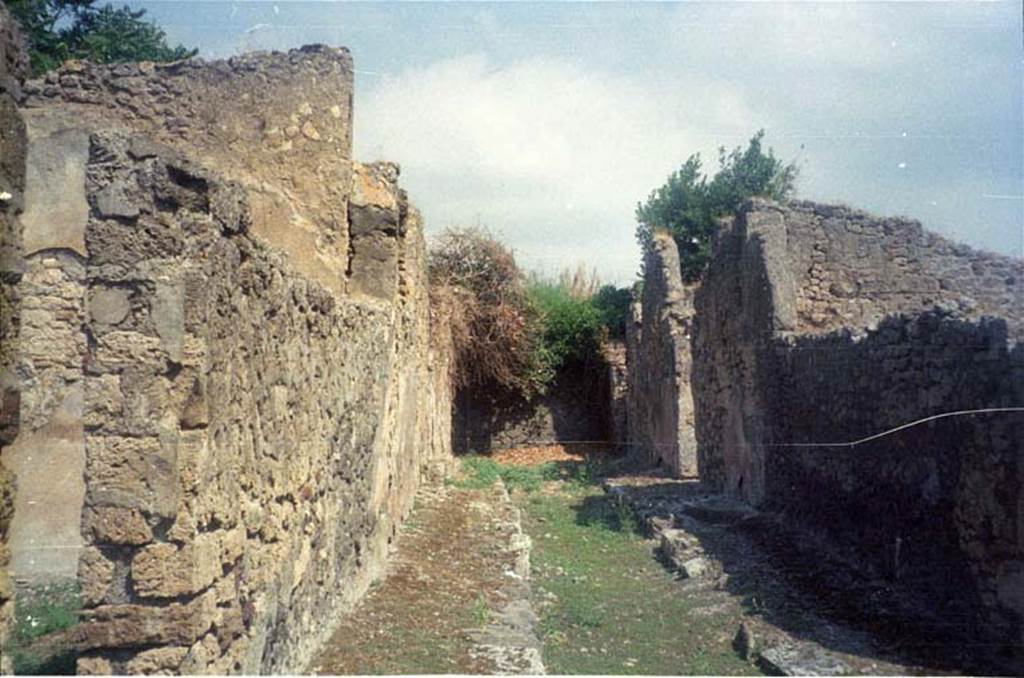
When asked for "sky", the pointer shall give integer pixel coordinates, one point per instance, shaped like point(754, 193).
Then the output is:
point(548, 122)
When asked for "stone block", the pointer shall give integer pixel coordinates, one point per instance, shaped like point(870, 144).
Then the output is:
point(125, 626)
point(115, 525)
point(371, 219)
point(374, 185)
point(95, 575)
point(131, 473)
point(56, 208)
point(677, 545)
point(694, 568)
point(109, 305)
point(161, 661)
point(113, 201)
point(374, 266)
point(168, 314)
point(104, 402)
point(168, 571)
point(118, 350)
point(93, 666)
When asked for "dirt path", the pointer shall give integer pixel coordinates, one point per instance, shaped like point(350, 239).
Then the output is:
point(455, 598)
point(628, 574)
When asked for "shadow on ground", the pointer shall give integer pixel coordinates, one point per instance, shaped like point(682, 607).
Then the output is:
point(787, 579)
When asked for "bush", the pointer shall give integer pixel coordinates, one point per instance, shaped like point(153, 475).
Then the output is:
point(513, 334)
point(479, 291)
point(688, 205)
point(572, 327)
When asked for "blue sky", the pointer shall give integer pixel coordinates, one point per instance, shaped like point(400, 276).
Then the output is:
point(548, 122)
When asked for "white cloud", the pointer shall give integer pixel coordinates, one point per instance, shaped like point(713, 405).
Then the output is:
point(542, 148)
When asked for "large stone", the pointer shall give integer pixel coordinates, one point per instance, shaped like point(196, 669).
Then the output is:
point(95, 575)
point(115, 626)
point(110, 305)
point(56, 208)
point(131, 473)
point(694, 568)
point(116, 525)
point(161, 661)
point(169, 571)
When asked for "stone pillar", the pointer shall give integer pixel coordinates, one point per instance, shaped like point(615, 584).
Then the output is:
point(659, 336)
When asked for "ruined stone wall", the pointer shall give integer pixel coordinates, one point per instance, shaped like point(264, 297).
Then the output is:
point(13, 68)
point(660, 408)
point(252, 439)
point(614, 354)
point(574, 410)
point(279, 124)
point(819, 324)
point(230, 359)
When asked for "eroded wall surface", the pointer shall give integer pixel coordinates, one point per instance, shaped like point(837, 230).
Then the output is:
point(573, 411)
point(821, 324)
point(660, 404)
point(614, 354)
point(253, 439)
point(13, 68)
point(280, 124)
point(230, 336)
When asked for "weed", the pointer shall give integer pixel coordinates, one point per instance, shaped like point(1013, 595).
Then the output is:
point(38, 613)
point(46, 610)
point(481, 472)
point(480, 611)
point(478, 473)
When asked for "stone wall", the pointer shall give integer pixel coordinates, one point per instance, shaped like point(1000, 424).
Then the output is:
point(278, 124)
point(13, 68)
point(660, 405)
point(819, 324)
point(614, 354)
point(574, 410)
point(253, 440)
point(227, 331)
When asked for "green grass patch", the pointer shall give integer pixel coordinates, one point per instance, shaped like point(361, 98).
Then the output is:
point(46, 610)
point(38, 613)
point(606, 605)
point(480, 472)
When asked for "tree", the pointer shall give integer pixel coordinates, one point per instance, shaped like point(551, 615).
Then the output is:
point(613, 305)
point(688, 205)
point(59, 30)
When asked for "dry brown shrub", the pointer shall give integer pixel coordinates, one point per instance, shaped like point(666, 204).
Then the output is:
point(479, 291)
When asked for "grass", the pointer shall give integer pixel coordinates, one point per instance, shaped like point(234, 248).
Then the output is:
point(40, 613)
point(606, 606)
point(480, 472)
point(480, 611)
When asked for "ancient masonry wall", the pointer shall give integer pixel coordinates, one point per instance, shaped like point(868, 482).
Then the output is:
point(660, 415)
point(231, 337)
point(821, 324)
point(571, 411)
point(13, 68)
point(614, 354)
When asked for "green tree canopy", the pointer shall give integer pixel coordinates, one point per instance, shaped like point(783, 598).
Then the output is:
point(59, 30)
point(688, 205)
point(613, 305)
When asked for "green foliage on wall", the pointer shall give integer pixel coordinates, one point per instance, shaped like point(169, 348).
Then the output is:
point(58, 30)
point(688, 205)
point(571, 324)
